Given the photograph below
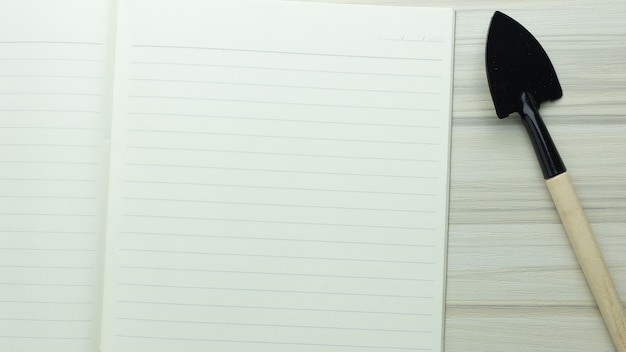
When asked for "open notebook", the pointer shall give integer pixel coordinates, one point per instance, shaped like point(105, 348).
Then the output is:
point(223, 176)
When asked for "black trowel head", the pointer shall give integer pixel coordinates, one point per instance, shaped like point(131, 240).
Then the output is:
point(517, 64)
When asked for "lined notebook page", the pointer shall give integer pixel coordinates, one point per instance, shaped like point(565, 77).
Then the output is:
point(279, 177)
point(52, 173)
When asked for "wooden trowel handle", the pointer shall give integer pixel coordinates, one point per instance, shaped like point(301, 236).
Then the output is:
point(589, 257)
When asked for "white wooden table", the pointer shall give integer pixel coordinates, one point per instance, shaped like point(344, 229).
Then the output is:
point(513, 281)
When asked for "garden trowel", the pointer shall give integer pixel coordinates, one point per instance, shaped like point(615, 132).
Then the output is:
point(521, 77)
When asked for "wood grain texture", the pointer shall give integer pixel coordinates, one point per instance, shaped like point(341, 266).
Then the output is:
point(538, 299)
point(513, 281)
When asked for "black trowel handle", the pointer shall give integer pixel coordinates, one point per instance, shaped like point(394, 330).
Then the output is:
point(589, 257)
point(547, 154)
